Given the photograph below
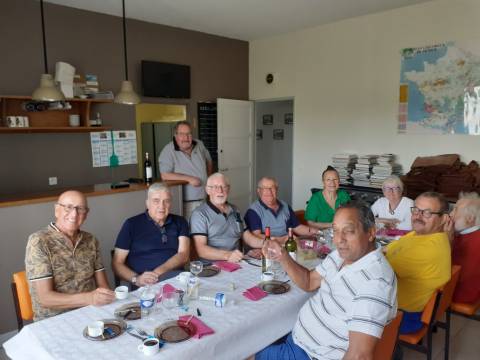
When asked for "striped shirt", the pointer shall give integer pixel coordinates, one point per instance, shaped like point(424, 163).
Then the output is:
point(359, 297)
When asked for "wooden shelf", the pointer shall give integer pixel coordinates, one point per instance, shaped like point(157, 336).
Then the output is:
point(51, 129)
point(24, 97)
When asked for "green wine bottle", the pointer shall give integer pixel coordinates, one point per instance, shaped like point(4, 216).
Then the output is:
point(291, 245)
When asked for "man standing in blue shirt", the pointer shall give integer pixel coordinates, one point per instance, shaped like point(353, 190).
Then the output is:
point(153, 245)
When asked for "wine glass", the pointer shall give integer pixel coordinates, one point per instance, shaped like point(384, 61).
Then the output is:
point(196, 267)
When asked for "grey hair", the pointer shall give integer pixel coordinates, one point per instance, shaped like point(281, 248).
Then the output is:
point(472, 207)
point(393, 179)
point(365, 214)
point(180, 123)
point(267, 178)
point(444, 205)
point(219, 175)
point(158, 186)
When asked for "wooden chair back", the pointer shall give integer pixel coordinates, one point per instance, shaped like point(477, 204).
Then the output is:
point(21, 298)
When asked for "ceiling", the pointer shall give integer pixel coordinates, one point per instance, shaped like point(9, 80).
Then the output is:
point(239, 19)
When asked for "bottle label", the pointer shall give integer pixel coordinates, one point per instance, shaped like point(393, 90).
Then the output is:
point(148, 172)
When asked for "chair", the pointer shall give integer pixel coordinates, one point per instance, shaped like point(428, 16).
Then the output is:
point(300, 214)
point(116, 279)
point(386, 344)
point(21, 298)
point(437, 306)
point(468, 311)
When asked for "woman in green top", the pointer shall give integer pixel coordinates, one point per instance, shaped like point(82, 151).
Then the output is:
point(322, 205)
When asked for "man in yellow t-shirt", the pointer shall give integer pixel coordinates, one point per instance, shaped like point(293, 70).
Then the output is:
point(421, 259)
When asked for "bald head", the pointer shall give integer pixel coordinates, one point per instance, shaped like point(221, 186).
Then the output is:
point(71, 211)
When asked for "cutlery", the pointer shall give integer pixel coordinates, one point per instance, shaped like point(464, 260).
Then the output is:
point(189, 319)
point(135, 335)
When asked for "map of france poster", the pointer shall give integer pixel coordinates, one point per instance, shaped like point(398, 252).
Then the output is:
point(440, 90)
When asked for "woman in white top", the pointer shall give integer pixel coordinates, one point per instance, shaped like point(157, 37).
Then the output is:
point(393, 209)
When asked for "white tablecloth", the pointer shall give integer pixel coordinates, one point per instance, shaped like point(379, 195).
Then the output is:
point(241, 328)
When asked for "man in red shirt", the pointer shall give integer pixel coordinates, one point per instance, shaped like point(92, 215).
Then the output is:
point(466, 247)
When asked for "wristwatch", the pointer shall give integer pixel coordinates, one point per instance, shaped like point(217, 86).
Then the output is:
point(134, 280)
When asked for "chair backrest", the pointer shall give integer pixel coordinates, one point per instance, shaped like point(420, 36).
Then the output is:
point(21, 297)
point(430, 307)
point(300, 214)
point(386, 344)
point(447, 292)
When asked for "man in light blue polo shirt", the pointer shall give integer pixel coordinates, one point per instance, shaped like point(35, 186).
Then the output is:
point(268, 210)
point(216, 226)
point(188, 160)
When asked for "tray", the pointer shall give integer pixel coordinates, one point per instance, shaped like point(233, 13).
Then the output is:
point(274, 287)
point(117, 327)
point(175, 331)
point(209, 271)
point(129, 311)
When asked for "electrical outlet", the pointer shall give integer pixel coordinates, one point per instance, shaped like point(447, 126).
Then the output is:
point(52, 180)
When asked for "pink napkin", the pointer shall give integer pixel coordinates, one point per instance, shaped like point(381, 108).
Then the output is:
point(167, 288)
point(227, 266)
point(254, 293)
point(396, 232)
point(202, 329)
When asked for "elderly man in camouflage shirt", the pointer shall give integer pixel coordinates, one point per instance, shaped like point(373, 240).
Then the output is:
point(63, 263)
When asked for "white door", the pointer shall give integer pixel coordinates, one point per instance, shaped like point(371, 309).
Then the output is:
point(235, 149)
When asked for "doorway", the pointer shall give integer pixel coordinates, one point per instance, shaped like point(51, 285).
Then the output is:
point(274, 144)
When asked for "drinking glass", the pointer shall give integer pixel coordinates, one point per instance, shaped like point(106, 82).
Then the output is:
point(196, 267)
point(170, 299)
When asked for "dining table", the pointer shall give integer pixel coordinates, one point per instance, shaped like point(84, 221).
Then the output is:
point(241, 328)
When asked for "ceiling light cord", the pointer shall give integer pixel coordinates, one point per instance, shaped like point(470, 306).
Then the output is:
point(125, 40)
point(44, 38)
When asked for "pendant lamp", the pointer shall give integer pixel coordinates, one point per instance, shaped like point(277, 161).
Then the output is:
point(127, 95)
point(47, 91)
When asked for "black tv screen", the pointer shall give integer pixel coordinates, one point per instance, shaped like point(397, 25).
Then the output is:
point(165, 80)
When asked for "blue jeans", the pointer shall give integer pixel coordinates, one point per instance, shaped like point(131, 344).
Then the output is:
point(411, 322)
point(287, 350)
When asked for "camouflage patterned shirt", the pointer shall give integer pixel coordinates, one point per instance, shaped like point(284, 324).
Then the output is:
point(50, 255)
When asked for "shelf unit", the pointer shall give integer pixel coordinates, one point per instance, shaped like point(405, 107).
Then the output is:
point(49, 121)
point(207, 128)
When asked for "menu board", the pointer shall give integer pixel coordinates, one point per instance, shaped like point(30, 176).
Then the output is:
point(124, 143)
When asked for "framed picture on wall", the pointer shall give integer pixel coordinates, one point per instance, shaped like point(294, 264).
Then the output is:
point(259, 134)
point(277, 134)
point(267, 119)
point(288, 118)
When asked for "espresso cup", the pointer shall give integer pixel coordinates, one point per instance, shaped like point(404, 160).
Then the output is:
point(150, 346)
point(96, 328)
point(74, 120)
point(121, 292)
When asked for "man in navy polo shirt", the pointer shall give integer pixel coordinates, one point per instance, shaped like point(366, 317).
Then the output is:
point(268, 210)
point(153, 245)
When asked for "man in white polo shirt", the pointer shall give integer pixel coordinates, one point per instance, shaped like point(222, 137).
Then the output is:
point(356, 294)
point(189, 160)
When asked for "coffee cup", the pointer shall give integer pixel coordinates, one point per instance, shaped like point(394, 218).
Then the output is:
point(268, 276)
point(95, 329)
point(183, 277)
point(150, 346)
point(74, 120)
point(11, 121)
point(121, 292)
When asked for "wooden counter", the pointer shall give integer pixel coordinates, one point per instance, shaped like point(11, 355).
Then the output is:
point(88, 190)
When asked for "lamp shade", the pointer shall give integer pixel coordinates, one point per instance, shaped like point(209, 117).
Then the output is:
point(47, 90)
point(126, 95)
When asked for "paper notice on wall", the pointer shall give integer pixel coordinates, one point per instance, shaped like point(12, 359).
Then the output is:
point(124, 142)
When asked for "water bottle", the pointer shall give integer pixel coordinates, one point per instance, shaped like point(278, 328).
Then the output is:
point(219, 299)
point(147, 299)
point(192, 287)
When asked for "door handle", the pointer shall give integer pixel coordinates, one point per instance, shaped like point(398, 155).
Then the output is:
point(225, 169)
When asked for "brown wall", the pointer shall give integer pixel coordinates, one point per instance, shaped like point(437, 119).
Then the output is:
point(93, 44)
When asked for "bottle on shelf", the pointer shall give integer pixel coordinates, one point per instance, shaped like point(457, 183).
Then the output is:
point(265, 261)
point(147, 170)
point(98, 120)
point(291, 245)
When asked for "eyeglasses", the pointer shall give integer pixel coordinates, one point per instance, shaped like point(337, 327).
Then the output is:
point(427, 214)
point(267, 188)
point(81, 210)
point(181, 134)
point(391, 188)
point(219, 187)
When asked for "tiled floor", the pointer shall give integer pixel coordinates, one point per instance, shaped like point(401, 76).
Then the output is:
point(464, 342)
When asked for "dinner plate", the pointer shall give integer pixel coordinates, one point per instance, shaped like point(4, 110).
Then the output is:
point(274, 287)
point(209, 271)
point(175, 331)
point(113, 328)
point(129, 311)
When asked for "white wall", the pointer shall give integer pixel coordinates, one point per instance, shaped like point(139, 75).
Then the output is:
point(345, 80)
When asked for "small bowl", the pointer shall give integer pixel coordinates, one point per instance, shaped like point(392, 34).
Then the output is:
point(95, 329)
point(268, 276)
point(121, 292)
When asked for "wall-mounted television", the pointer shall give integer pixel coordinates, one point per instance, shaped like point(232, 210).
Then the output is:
point(165, 80)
